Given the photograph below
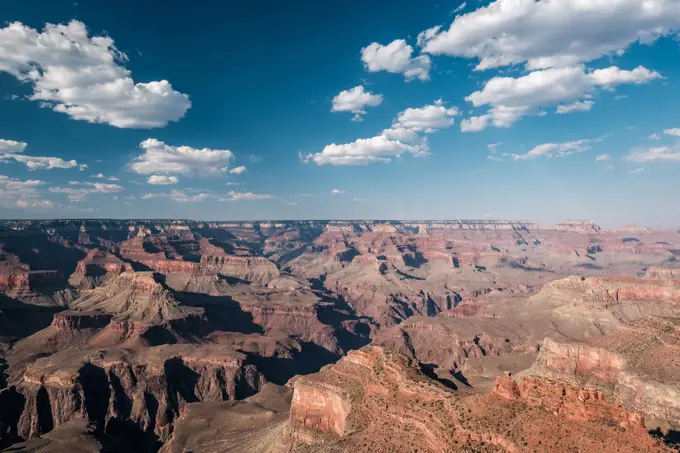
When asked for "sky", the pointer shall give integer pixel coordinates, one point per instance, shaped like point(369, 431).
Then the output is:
point(512, 109)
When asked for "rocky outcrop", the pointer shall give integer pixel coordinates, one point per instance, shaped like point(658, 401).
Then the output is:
point(448, 343)
point(319, 408)
point(28, 285)
point(663, 273)
point(136, 296)
point(252, 425)
point(580, 361)
point(614, 375)
point(97, 267)
point(112, 388)
point(604, 292)
point(355, 405)
point(571, 401)
point(252, 269)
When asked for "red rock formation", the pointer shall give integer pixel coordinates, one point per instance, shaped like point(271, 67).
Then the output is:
point(377, 401)
point(577, 403)
point(137, 296)
point(149, 389)
point(95, 268)
point(580, 361)
point(319, 408)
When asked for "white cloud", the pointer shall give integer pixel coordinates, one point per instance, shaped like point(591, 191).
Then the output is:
point(612, 76)
point(550, 150)
point(636, 171)
point(356, 100)
point(401, 138)
point(84, 77)
point(11, 146)
point(603, 157)
point(98, 175)
point(495, 158)
point(238, 170)
point(161, 158)
point(511, 98)
point(112, 178)
point(659, 154)
point(79, 195)
point(234, 196)
point(12, 150)
point(100, 187)
point(364, 151)
point(232, 183)
point(180, 196)
point(553, 33)
point(578, 106)
point(673, 132)
point(22, 194)
point(162, 180)
point(40, 163)
point(402, 134)
point(396, 57)
point(358, 200)
point(337, 192)
point(475, 123)
point(426, 119)
point(654, 137)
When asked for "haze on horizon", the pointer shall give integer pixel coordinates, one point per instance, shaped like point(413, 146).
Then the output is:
point(447, 110)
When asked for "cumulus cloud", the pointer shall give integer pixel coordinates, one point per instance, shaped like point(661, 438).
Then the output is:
point(555, 33)
point(673, 132)
point(40, 163)
point(426, 119)
point(401, 138)
point(12, 150)
point(578, 106)
point(550, 150)
point(397, 58)
point(235, 196)
point(337, 192)
point(11, 146)
point(603, 157)
point(80, 194)
point(84, 77)
point(364, 151)
point(161, 158)
point(654, 137)
point(162, 180)
point(356, 100)
point(512, 98)
point(22, 194)
point(659, 154)
point(238, 170)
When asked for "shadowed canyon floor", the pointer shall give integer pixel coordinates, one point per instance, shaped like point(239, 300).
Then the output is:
point(470, 336)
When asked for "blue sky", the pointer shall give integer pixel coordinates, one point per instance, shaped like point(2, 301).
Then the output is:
point(580, 103)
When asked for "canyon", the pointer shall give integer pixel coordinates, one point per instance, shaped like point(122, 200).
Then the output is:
point(310, 336)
